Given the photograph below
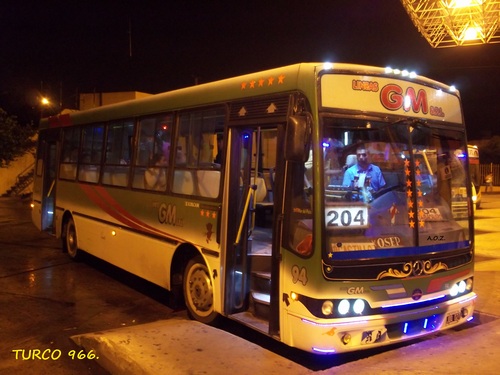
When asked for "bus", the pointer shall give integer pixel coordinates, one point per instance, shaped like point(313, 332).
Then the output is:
point(285, 233)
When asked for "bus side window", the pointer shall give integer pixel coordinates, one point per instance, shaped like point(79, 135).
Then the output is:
point(118, 152)
point(92, 143)
point(194, 168)
point(153, 153)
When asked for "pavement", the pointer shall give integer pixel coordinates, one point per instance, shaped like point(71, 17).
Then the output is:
point(182, 346)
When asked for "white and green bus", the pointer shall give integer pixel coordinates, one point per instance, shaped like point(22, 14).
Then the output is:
point(311, 202)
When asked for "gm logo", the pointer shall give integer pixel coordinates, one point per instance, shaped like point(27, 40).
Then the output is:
point(355, 290)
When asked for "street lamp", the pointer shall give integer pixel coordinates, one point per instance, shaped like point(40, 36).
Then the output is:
point(44, 103)
point(451, 23)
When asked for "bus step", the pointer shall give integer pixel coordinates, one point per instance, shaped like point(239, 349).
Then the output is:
point(260, 303)
point(261, 282)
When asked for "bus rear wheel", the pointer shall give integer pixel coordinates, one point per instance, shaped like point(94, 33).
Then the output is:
point(70, 243)
point(198, 292)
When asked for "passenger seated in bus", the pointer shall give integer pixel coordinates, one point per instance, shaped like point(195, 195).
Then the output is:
point(363, 173)
point(155, 178)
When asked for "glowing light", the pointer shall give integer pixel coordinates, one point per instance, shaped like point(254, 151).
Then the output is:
point(461, 286)
point(453, 88)
point(328, 66)
point(343, 307)
point(319, 350)
point(405, 329)
point(454, 290)
point(359, 306)
point(472, 33)
point(452, 23)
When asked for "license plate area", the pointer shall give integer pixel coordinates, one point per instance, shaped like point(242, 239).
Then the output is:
point(452, 318)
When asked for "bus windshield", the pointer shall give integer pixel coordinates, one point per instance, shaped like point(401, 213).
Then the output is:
point(393, 190)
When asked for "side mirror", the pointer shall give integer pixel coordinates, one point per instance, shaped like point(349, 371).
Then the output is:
point(298, 138)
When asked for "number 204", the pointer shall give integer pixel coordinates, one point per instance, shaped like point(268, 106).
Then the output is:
point(346, 217)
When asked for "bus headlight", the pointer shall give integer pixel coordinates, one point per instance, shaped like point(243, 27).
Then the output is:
point(359, 306)
point(461, 287)
point(327, 308)
point(343, 307)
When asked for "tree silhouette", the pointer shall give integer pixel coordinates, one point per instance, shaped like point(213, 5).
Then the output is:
point(15, 139)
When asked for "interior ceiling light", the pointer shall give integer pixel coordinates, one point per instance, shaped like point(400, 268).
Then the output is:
point(451, 23)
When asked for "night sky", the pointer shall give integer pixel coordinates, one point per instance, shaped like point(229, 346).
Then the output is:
point(70, 47)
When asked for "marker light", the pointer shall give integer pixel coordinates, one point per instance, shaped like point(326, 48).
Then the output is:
point(327, 65)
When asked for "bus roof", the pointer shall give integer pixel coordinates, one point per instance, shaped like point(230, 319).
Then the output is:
point(289, 78)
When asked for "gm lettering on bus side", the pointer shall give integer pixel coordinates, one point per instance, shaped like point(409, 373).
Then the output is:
point(355, 290)
point(393, 98)
point(167, 214)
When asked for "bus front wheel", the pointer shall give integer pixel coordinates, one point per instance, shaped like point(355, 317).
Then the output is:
point(198, 291)
point(70, 242)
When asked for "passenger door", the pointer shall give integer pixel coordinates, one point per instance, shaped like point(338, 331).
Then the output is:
point(44, 189)
point(252, 271)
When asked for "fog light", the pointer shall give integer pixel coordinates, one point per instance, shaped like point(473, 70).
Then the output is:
point(346, 339)
point(327, 308)
point(464, 312)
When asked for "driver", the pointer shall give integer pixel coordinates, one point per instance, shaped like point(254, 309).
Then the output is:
point(363, 173)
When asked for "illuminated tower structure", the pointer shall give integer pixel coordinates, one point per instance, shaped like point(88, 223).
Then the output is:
point(451, 23)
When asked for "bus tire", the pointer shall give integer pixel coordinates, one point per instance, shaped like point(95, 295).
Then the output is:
point(70, 242)
point(198, 291)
